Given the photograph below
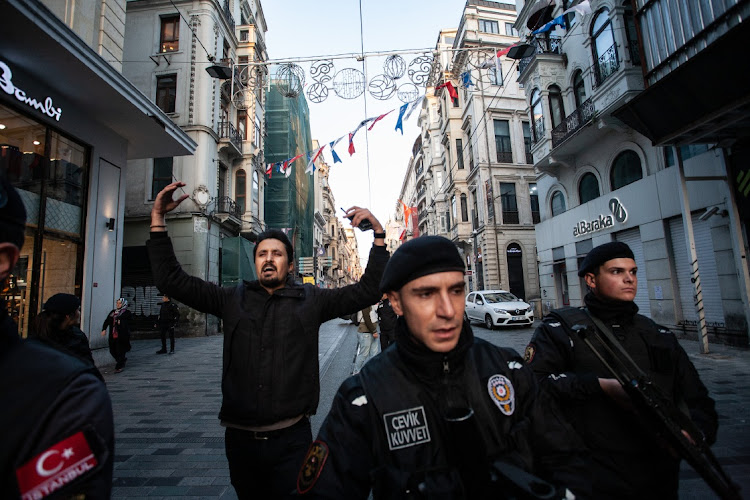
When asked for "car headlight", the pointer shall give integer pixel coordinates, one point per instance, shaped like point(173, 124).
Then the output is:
point(501, 311)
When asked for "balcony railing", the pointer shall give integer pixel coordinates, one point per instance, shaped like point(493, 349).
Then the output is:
point(577, 119)
point(510, 217)
point(535, 217)
point(635, 52)
point(228, 15)
point(505, 156)
point(420, 170)
point(607, 64)
point(529, 158)
point(227, 131)
point(543, 45)
point(226, 205)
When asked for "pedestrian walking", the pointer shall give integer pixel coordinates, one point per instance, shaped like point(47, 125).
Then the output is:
point(169, 314)
point(58, 324)
point(58, 431)
point(441, 414)
point(627, 461)
point(270, 384)
point(387, 322)
point(118, 321)
point(368, 346)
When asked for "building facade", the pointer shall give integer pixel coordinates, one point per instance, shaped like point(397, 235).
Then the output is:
point(169, 50)
point(69, 124)
point(601, 180)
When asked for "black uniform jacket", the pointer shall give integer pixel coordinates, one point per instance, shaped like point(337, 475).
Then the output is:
point(270, 366)
point(58, 430)
point(627, 461)
point(387, 425)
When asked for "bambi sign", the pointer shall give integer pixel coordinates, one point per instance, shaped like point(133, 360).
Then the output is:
point(46, 107)
point(618, 214)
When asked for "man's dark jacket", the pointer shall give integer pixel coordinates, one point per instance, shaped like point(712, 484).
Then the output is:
point(364, 449)
point(169, 313)
point(270, 367)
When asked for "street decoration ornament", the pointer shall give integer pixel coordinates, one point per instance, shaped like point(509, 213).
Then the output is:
point(349, 83)
point(382, 87)
point(394, 67)
point(290, 79)
point(322, 70)
point(419, 70)
point(317, 92)
point(241, 99)
point(407, 92)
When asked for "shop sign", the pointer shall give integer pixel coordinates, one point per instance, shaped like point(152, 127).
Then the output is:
point(6, 84)
point(619, 214)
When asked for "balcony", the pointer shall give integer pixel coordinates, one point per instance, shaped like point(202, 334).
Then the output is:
point(607, 64)
point(227, 12)
point(505, 156)
point(543, 45)
point(230, 140)
point(510, 217)
point(577, 119)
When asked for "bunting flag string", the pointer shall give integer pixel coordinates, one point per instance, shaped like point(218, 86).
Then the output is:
point(581, 9)
point(399, 122)
point(450, 87)
point(466, 79)
point(405, 111)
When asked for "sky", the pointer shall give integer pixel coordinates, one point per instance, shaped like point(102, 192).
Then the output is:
point(304, 29)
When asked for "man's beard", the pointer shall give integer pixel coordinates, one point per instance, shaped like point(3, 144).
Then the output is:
point(270, 282)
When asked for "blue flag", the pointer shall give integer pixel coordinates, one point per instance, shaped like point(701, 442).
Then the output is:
point(558, 21)
point(399, 122)
point(466, 77)
point(336, 158)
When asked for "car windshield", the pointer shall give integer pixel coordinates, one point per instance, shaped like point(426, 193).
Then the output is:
point(494, 298)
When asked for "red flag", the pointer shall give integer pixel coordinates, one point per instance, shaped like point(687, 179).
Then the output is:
point(450, 87)
point(378, 119)
point(351, 144)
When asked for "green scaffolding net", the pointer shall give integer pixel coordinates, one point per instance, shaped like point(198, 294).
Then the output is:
point(237, 261)
point(289, 201)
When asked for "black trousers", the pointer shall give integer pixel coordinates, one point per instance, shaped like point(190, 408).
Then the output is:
point(267, 468)
point(164, 331)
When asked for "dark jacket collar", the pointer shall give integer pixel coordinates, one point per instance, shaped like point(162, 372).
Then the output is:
point(291, 288)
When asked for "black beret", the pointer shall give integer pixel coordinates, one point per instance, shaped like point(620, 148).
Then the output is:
point(12, 214)
point(603, 253)
point(63, 303)
point(420, 257)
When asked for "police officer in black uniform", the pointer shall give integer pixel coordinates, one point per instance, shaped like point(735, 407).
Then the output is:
point(625, 460)
point(58, 431)
point(441, 413)
point(387, 322)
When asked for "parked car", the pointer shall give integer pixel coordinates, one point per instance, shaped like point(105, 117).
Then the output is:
point(498, 308)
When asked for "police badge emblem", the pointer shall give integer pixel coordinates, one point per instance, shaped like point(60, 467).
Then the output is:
point(502, 393)
point(528, 355)
point(312, 466)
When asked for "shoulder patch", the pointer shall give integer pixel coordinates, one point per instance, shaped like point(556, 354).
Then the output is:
point(360, 401)
point(514, 365)
point(312, 466)
point(406, 428)
point(56, 467)
point(502, 393)
point(528, 354)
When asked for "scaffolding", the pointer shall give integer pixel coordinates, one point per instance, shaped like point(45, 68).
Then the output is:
point(289, 201)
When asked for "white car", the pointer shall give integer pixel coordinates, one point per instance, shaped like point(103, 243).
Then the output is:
point(497, 308)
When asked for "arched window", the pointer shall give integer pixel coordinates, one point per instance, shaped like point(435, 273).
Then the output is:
point(537, 115)
point(588, 188)
point(605, 50)
point(558, 203)
point(240, 189)
point(556, 107)
point(626, 169)
point(579, 89)
point(256, 195)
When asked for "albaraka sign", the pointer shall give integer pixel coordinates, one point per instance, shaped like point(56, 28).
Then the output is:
point(6, 84)
point(619, 214)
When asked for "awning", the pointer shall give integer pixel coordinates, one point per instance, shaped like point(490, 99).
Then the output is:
point(38, 43)
point(704, 100)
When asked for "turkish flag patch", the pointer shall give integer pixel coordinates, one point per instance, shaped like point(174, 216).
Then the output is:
point(56, 467)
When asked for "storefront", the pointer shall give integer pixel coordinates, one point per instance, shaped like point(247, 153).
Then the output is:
point(647, 215)
point(68, 124)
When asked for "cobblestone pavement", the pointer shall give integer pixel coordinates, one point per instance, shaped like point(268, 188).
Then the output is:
point(170, 443)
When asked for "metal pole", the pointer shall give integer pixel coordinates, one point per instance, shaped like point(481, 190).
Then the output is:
point(738, 244)
point(695, 277)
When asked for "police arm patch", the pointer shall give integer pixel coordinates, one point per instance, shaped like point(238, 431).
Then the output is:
point(312, 466)
point(502, 393)
point(528, 355)
point(56, 467)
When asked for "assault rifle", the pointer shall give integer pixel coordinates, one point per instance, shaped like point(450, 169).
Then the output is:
point(659, 414)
